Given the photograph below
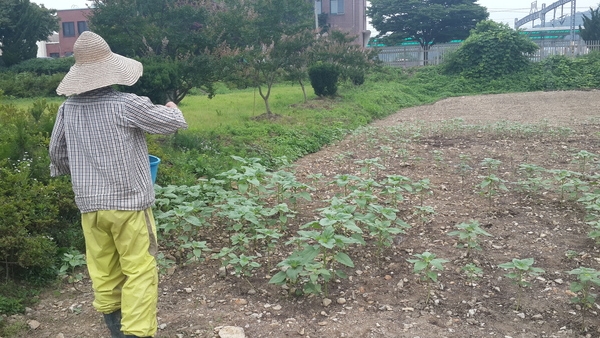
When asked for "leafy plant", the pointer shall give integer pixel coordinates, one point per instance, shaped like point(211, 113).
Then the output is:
point(584, 158)
point(370, 166)
point(463, 167)
point(324, 78)
point(490, 186)
point(473, 272)
point(424, 213)
point(561, 178)
point(426, 266)
point(421, 188)
point(468, 233)
point(71, 261)
point(521, 269)
point(533, 180)
point(587, 278)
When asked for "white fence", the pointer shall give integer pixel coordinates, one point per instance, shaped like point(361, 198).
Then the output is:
point(412, 56)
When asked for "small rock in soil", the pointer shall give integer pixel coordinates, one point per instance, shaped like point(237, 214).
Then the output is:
point(231, 332)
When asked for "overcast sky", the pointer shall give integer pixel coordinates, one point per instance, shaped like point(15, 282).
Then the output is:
point(500, 10)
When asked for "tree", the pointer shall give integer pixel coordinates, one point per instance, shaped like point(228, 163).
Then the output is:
point(591, 26)
point(426, 21)
point(175, 40)
point(268, 35)
point(337, 47)
point(492, 50)
point(22, 24)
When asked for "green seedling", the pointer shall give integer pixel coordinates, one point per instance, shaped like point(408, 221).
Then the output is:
point(370, 166)
point(533, 181)
point(571, 254)
point(586, 279)
point(421, 188)
point(424, 213)
point(561, 177)
point(575, 187)
point(315, 179)
point(490, 186)
point(345, 181)
point(383, 225)
point(473, 273)
point(584, 158)
point(491, 165)
point(438, 156)
point(426, 266)
point(71, 262)
point(520, 270)
point(594, 233)
point(468, 233)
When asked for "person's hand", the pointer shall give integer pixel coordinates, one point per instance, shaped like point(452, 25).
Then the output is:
point(170, 105)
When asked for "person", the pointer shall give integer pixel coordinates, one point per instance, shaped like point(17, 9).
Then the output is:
point(99, 139)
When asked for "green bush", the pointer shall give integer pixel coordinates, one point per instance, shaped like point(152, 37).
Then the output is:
point(38, 215)
point(23, 85)
point(41, 66)
point(491, 51)
point(324, 78)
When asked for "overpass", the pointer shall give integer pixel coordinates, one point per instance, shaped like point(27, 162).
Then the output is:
point(541, 14)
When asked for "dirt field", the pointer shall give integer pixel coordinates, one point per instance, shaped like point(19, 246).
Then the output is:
point(386, 299)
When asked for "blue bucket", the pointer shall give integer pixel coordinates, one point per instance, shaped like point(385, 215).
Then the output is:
point(154, 161)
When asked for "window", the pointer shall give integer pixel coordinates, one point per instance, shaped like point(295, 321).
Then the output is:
point(337, 6)
point(68, 29)
point(318, 6)
point(82, 26)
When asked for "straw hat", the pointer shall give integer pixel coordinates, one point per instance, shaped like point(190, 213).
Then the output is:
point(96, 66)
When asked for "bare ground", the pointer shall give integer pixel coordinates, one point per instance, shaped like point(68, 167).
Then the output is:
point(387, 299)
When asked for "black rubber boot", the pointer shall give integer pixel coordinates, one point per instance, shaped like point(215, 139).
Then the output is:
point(113, 321)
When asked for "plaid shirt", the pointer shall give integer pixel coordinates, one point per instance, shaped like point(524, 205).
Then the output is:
point(99, 139)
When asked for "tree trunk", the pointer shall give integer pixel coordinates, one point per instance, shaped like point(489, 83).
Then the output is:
point(303, 89)
point(265, 97)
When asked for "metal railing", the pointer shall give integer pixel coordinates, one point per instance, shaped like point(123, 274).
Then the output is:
point(413, 56)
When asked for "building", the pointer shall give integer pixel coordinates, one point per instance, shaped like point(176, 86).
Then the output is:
point(344, 15)
point(72, 23)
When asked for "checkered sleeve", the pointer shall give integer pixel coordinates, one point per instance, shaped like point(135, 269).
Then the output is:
point(59, 159)
point(151, 118)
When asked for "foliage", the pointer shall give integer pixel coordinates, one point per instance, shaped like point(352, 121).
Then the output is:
point(43, 66)
point(178, 37)
point(427, 266)
point(591, 26)
point(427, 22)
point(29, 84)
point(521, 269)
point(267, 42)
point(491, 51)
point(587, 278)
point(468, 233)
point(339, 48)
point(324, 78)
point(38, 214)
point(71, 261)
point(22, 24)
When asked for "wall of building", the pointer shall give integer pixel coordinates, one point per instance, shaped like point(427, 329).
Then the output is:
point(72, 23)
point(352, 19)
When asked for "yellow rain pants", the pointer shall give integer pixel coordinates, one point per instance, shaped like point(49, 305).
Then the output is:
point(120, 251)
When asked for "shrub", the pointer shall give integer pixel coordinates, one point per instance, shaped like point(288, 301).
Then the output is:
point(324, 78)
point(490, 52)
point(44, 66)
point(22, 85)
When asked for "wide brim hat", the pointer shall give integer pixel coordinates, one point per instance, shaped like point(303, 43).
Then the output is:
point(96, 66)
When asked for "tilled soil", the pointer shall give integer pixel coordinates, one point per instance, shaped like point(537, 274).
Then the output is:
point(383, 297)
